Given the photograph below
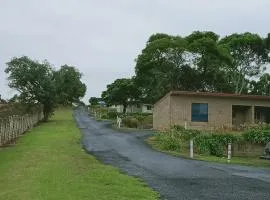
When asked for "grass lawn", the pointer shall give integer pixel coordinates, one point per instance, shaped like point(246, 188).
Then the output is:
point(48, 163)
point(248, 161)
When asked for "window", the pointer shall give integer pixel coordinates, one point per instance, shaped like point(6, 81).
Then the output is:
point(199, 112)
point(149, 107)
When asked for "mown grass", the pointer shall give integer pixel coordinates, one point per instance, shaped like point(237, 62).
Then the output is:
point(48, 163)
point(247, 161)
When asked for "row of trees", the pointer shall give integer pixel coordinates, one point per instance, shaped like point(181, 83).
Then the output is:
point(201, 61)
point(38, 82)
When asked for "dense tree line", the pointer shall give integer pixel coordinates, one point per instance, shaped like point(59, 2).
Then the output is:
point(201, 61)
point(38, 82)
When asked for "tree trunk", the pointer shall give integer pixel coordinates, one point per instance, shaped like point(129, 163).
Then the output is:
point(124, 108)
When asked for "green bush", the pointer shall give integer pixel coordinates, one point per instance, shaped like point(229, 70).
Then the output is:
point(167, 142)
point(213, 144)
point(112, 114)
point(135, 120)
point(204, 143)
point(130, 122)
point(259, 134)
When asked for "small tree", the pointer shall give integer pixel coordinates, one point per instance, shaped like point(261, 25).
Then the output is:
point(93, 101)
point(34, 80)
point(121, 92)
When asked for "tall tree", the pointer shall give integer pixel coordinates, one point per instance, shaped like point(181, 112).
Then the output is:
point(162, 65)
point(34, 80)
point(121, 92)
point(249, 58)
point(211, 61)
point(69, 86)
point(193, 63)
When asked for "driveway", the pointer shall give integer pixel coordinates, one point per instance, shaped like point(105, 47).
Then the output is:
point(172, 177)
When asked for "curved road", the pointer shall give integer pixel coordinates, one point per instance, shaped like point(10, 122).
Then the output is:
point(172, 177)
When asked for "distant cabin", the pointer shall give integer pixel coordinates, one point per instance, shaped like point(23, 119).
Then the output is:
point(136, 108)
point(202, 110)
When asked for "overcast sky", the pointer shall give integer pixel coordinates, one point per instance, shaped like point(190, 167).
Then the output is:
point(102, 38)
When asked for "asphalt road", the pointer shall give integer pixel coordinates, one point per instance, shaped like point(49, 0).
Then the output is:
point(172, 177)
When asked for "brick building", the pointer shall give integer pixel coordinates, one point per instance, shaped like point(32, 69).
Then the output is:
point(201, 110)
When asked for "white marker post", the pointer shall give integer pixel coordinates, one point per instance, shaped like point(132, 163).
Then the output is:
point(191, 148)
point(229, 152)
point(119, 121)
point(191, 154)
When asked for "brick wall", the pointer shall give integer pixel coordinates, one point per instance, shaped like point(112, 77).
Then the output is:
point(176, 110)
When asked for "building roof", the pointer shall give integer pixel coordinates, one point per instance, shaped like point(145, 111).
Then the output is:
point(210, 94)
point(218, 95)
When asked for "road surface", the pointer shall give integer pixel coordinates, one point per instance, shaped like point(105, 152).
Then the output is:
point(173, 177)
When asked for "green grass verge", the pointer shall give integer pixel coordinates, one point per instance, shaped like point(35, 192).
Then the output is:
point(248, 161)
point(48, 163)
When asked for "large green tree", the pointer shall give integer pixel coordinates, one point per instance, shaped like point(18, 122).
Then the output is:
point(69, 86)
point(211, 61)
point(161, 66)
point(121, 92)
point(34, 81)
point(195, 62)
point(249, 54)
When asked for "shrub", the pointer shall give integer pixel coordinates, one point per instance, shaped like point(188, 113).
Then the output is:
point(213, 144)
point(259, 134)
point(112, 114)
point(130, 122)
point(167, 142)
point(104, 116)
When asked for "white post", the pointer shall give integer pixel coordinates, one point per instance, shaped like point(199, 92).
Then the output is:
point(229, 152)
point(191, 154)
point(191, 148)
point(119, 120)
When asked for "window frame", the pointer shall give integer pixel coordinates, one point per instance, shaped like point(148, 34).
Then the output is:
point(200, 117)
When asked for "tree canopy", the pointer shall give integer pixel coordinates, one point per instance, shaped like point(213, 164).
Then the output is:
point(38, 82)
point(94, 101)
point(69, 86)
point(121, 92)
point(201, 61)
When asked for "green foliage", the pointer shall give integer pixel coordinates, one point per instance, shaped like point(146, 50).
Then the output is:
point(112, 114)
point(262, 86)
point(130, 122)
point(204, 143)
point(259, 134)
point(250, 57)
point(137, 120)
point(201, 61)
point(68, 85)
point(121, 92)
point(213, 144)
point(37, 82)
point(34, 81)
point(93, 101)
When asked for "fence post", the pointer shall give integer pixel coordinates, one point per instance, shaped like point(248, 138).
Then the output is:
point(229, 152)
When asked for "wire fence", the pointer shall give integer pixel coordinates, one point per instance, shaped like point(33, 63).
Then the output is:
point(14, 126)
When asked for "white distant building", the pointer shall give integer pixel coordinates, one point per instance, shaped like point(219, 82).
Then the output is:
point(138, 108)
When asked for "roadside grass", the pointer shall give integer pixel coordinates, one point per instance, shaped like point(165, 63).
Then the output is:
point(247, 161)
point(47, 163)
